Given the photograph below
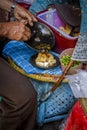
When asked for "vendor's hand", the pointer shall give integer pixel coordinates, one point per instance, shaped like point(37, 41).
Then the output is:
point(24, 15)
point(16, 31)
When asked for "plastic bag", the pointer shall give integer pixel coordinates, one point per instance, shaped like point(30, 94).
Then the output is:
point(78, 83)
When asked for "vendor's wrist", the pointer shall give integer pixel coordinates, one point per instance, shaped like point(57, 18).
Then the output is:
point(12, 9)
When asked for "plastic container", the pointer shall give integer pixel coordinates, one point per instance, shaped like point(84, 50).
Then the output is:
point(63, 40)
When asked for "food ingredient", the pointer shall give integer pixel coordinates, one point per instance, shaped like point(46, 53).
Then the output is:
point(66, 59)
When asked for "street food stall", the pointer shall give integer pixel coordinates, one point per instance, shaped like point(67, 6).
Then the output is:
point(39, 60)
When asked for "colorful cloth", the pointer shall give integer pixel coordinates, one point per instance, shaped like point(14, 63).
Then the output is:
point(77, 119)
point(56, 107)
point(20, 53)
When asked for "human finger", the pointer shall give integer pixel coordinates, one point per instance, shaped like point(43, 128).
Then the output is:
point(30, 18)
point(33, 17)
point(25, 38)
point(27, 32)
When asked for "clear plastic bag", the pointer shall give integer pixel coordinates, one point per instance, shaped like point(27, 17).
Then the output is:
point(78, 83)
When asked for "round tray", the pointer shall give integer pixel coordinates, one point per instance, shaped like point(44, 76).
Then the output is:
point(33, 57)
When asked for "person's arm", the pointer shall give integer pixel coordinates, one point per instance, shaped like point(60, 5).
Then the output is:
point(5, 5)
point(20, 13)
point(15, 30)
point(24, 15)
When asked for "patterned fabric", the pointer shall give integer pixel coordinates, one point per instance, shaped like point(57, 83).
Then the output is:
point(80, 51)
point(56, 107)
point(77, 119)
point(20, 53)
